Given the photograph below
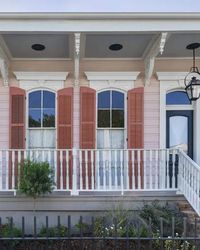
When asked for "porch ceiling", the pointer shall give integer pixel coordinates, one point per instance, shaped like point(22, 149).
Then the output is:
point(94, 45)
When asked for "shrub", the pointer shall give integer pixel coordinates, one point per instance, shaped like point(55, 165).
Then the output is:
point(36, 178)
point(56, 231)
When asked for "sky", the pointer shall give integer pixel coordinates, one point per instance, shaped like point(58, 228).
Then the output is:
point(99, 5)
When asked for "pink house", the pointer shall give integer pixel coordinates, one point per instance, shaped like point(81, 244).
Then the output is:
point(102, 99)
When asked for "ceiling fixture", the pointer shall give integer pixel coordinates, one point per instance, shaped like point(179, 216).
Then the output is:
point(192, 79)
point(115, 47)
point(38, 47)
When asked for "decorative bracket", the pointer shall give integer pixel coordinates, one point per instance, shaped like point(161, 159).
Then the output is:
point(4, 71)
point(77, 37)
point(5, 58)
point(154, 48)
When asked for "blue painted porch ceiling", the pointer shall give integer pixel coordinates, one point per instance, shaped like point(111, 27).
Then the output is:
point(57, 46)
point(97, 45)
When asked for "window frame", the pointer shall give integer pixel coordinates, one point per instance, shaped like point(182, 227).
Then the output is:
point(39, 128)
point(125, 114)
point(111, 109)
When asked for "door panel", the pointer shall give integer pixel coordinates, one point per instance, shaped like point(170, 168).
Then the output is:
point(179, 126)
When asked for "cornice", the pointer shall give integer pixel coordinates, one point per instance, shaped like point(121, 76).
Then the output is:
point(25, 75)
point(101, 76)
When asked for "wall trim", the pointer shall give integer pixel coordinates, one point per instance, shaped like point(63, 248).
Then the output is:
point(125, 76)
point(112, 80)
point(25, 75)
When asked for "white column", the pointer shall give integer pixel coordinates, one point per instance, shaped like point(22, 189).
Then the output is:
point(196, 132)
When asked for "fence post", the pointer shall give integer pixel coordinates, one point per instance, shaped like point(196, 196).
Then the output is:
point(74, 168)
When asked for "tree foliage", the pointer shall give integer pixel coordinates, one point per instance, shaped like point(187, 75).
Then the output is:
point(36, 178)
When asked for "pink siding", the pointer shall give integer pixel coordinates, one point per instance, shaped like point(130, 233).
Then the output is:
point(4, 117)
point(151, 115)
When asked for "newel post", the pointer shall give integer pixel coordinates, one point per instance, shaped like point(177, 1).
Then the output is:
point(74, 176)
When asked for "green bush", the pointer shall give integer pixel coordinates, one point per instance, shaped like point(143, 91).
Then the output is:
point(61, 231)
point(155, 211)
point(35, 179)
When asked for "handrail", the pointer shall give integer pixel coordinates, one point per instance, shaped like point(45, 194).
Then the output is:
point(189, 180)
point(79, 170)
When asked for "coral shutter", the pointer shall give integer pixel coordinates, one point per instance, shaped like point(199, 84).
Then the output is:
point(87, 117)
point(17, 118)
point(136, 118)
point(136, 136)
point(65, 118)
point(65, 137)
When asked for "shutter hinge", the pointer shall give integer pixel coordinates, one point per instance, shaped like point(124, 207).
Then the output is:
point(25, 138)
point(127, 98)
point(25, 98)
point(126, 139)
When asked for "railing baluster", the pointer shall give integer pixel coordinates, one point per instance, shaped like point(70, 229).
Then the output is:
point(61, 169)
point(173, 167)
point(86, 170)
point(121, 172)
point(168, 153)
point(55, 168)
point(156, 169)
point(1, 170)
point(13, 170)
point(133, 168)
point(81, 168)
point(98, 169)
point(124, 160)
point(150, 170)
point(104, 170)
point(67, 169)
point(92, 169)
point(145, 169)
point(110, 169)
point(139, 168)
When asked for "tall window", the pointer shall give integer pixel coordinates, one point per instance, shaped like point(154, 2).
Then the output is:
point(41, 119)
point(110, 120)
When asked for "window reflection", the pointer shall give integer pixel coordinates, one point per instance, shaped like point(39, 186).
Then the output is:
point(111, 109)
point(41, 109)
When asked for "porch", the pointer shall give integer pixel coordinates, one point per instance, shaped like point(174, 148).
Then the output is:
point(110, 172)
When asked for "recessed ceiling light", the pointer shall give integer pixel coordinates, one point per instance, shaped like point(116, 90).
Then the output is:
point(38, 47)
point(115, 46)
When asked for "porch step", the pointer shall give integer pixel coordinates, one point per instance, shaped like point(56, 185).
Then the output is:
point(186, 209)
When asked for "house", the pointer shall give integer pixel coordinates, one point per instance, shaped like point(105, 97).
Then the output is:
point(102, 99)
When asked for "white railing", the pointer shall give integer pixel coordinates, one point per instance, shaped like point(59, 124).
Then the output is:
point(189, 180)
point(97, 169)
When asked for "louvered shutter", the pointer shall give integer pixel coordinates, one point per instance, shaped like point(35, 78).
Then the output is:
point(65, 137)
point(65, 118)
point(87, 117)
point(136, 135)
point(17, 118)
point(136, 118)
point(87, 133)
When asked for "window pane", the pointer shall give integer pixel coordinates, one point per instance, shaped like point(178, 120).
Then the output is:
point(177, 98)
point(117, 118)
point(104, 99)
point(117, 100)
point(178, 132)
point(103, 118)
point(35, 118)
point(42, 138)
point(49, 118)
point(35, 99)
point(48, 99)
